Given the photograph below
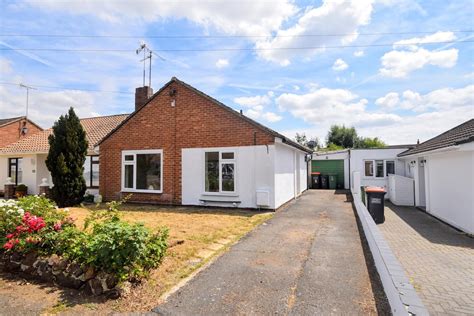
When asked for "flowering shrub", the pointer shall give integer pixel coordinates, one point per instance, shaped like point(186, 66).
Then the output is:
point(107, 243)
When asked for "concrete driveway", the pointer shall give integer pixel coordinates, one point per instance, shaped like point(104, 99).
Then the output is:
point(308, 259)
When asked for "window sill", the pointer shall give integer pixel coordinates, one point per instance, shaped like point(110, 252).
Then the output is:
point(141, 191)
point(233, 194)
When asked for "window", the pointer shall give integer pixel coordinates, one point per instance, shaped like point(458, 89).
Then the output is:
point(219, 172)
point(15, 170)
point(379, 169)
point(91, 171)
point(369, 168)
point(389, 167)
point(142, 171)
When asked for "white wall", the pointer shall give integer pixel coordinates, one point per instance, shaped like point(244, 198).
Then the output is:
point(254, 171)
point(303, 172)
point(357, 157)
point(284, 174)
point(401, 190)
point(449, 187)
point(344, 155)
point(29, 167)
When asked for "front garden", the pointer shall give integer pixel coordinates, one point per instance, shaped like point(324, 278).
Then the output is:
point(102, 250)
point(42, 241)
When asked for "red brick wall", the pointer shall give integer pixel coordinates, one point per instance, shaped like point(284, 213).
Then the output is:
point(12, 132)
point(195, 121)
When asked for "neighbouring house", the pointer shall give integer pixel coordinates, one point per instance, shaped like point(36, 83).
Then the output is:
point(443, 173)
point(373, 164)
point(25, 160)
point(181, 146)
point(15, 128)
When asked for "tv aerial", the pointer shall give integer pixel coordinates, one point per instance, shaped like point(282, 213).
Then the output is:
point(147, 54)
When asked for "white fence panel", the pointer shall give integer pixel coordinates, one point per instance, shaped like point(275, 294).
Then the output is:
point(401, 190)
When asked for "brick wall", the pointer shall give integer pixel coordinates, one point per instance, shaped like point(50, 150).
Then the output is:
point(194, 121)
point(11, 133)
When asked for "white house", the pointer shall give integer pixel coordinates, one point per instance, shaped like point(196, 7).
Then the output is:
point(443, 172)
point(25, 160)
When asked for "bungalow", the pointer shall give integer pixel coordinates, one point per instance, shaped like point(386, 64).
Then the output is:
point(443, 173)
point(373, 164)
point(181, 146)
point(24, 161)
point(15, 128)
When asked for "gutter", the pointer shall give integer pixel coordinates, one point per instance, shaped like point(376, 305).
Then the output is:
point(434, 151)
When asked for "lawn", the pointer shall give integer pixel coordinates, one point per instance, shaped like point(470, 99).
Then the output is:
point(196, 236)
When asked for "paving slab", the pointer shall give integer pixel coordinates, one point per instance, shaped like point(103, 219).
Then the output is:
point(308, 259)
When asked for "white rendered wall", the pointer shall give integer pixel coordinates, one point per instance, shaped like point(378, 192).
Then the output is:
point(285, 186)
point(358, 156)
point(254, 171)
point(450, 188)
point(29, 167)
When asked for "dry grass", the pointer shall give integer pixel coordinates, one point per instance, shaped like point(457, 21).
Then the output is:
point(197, 227)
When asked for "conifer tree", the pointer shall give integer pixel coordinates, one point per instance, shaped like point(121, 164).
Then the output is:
point(66, 157)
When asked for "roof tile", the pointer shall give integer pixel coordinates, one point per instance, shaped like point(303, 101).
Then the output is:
point(96, 128)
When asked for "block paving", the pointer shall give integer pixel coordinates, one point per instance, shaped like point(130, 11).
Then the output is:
point(438, 259)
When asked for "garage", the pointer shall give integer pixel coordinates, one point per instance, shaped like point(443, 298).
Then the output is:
point(333, 163)
point(328, 167)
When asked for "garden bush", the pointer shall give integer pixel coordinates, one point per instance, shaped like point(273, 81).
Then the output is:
point(107, 243)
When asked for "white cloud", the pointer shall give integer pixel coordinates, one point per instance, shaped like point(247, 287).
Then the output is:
point(433, 38)
point(256, 107)
point(339, 65)
point(398, 64)
point(443, 99)
point(333, 106)
point(444, 109)
point(5, 66)
point(407, 56)
point(222, 63)
point(45, 107)
point(253, 18)
point(326, 17)
point(359, 53)
point(390, 100)
point(253, 101)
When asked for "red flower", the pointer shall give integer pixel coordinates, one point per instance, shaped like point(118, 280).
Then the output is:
point(57, 226)
point(10, 236)
point(8, 245)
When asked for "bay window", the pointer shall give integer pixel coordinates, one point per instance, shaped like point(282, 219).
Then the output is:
point(219, 172)
point(142, 171)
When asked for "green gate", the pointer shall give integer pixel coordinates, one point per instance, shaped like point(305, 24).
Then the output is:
point(327, 167)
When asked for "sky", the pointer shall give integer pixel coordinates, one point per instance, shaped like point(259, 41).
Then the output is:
point(397, 70)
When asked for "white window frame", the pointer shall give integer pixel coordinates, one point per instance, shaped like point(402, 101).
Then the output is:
point(221, 162)
point(134, 153)
point(374, 168)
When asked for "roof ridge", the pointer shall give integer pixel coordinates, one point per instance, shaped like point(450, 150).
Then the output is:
point(103, 116)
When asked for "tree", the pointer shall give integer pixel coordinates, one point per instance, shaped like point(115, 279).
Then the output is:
point(367, 142)
point(312, 143)
point(342, 136)
point(66, 157)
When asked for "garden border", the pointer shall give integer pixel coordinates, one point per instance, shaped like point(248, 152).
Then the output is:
point(400, 293)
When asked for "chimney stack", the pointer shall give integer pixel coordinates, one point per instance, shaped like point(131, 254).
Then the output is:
point(142, 94)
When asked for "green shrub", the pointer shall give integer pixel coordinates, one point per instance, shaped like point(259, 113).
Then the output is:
point(21, 188)
point(129, 250)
